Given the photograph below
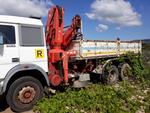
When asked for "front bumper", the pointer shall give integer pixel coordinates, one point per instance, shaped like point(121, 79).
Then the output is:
point(1, 86)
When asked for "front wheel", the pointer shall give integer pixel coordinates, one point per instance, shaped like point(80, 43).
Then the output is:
point(23, 93)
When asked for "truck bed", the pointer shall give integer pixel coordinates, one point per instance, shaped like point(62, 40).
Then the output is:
point(99, 48)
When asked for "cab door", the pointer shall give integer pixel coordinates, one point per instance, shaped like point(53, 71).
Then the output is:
point(9, 56)
point(32, 48)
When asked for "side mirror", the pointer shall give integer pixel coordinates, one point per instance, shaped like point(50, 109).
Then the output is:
point(1, 39)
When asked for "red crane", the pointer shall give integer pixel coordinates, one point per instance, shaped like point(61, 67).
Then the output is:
point(58, 40)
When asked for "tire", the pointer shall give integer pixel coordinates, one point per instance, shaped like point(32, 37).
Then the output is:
point(23, 93)
point(3, 103)
point(125, 71)
point(111, 75)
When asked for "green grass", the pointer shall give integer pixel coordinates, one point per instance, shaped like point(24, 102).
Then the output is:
point(124, 97)
point(146, 54)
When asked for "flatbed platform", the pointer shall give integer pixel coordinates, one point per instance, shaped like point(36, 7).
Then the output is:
point(99, 48)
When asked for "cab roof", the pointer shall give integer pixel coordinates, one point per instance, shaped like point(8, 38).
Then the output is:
point(20, 20)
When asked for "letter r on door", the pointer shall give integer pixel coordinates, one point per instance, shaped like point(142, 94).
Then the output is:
point(39, 53)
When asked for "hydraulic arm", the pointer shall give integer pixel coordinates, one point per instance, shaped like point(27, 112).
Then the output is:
point(58, 40)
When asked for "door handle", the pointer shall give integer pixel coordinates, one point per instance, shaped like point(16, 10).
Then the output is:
point(15, 59)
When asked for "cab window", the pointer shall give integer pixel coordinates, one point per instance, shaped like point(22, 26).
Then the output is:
point(31, 36)
point(8, 34)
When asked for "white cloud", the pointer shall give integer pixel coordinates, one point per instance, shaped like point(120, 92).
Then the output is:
point(118, 12)
point(102, 28)
point(25, 7)
point(118, 28)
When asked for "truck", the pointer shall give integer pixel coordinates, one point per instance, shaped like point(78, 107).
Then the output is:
point(34, 58)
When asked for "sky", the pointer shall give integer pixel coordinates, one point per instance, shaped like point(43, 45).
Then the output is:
point(102, 19)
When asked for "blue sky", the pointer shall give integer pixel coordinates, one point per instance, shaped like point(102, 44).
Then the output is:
point(102, 19)
point(82, 7)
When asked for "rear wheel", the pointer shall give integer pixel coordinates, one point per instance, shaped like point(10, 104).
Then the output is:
point(125, 71)
point(111, 75)
point(23, 93)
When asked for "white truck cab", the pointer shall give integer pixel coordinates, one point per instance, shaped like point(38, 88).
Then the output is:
point(22, 52)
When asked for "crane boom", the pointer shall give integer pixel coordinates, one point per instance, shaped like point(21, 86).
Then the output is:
point(58, 40)
point(55, 34)
point(72, 31)
point(54, 27)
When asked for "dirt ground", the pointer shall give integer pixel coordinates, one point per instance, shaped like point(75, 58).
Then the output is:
point(8, 110)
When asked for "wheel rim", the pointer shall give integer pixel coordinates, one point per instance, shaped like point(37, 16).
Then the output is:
point(26, 94)
point(112, 75)
point(127, 72)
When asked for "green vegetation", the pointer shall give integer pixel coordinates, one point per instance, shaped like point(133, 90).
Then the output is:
point(132, 96)
point(146, 60)
point(124, 97)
